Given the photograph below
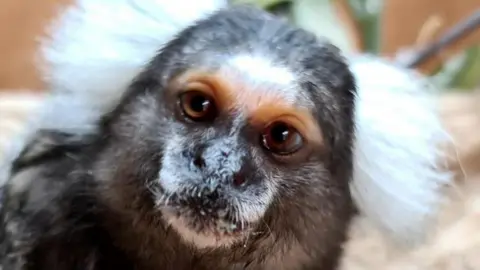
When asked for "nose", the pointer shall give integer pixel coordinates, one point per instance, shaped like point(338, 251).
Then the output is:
point(239, 179)
point(222, 160)
point(198, 161)
point(199, 157)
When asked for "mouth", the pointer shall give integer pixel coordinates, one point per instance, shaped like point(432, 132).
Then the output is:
point(205, 218)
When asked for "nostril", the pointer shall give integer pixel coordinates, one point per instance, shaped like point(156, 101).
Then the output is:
point(199, 162)
point(238, 179)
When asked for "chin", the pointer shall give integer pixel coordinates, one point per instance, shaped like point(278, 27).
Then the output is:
point(213, 233)
point(206, 219)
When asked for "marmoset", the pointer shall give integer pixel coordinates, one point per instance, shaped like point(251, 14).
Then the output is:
point(231, 149)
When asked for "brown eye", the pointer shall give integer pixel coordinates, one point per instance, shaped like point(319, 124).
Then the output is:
point(198, 106)
point(282, 138)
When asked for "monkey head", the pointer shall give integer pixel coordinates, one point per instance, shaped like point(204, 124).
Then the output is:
point(244, 125)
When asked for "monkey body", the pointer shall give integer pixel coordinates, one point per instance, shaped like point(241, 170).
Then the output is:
point(255, 175)
point(78, 230)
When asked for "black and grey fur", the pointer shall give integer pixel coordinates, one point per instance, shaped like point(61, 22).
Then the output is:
point(97, 202)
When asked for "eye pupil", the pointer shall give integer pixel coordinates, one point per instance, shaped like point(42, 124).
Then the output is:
point(281, 138)
point(280, 133)
point(197, 106)
point(199, 103)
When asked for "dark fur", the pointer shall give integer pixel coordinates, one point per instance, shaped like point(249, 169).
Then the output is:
point(89, 206)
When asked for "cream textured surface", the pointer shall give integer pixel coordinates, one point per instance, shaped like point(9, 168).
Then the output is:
point(454, 243)
point(14, 112)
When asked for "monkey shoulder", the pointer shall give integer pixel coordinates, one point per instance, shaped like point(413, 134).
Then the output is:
point(48, 218)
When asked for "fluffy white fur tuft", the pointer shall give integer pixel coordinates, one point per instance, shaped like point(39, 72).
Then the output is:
point(399, 168)
point(98, 46)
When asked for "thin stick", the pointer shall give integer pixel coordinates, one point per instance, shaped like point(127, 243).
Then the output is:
point(457, 32)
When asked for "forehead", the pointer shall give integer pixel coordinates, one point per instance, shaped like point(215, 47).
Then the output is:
point(262, 57)
point(260, 79)
point(258, 69)
point(249, 82)
point(257, 88)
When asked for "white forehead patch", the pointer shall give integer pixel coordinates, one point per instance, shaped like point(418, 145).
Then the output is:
point(262, 69)
point(262, 74)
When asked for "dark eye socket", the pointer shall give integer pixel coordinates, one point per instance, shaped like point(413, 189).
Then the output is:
point(198, 106)
point(282, 138)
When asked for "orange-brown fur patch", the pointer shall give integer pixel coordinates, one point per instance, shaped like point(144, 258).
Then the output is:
point(262, 107)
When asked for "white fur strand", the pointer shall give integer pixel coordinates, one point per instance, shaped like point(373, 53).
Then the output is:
point(397, 169)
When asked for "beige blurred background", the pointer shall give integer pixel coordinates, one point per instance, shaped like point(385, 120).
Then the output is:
point(404, 22)
point(21, 22)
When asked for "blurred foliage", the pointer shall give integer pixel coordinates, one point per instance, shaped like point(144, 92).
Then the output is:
point(318, 16)
point(469, 77)
point(367, 13)
point(306, 13)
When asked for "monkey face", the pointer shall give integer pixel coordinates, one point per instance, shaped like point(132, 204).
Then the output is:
point(233, 133)
point(254, 118)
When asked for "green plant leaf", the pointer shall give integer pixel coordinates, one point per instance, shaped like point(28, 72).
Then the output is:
point(443, 76)
point(367, 13)
point(320, 18)
point(468, 76)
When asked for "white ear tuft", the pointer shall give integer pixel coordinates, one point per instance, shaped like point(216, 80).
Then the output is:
point(398, 170)
point(98, 46)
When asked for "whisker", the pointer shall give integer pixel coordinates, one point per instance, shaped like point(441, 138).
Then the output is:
point(268, 227)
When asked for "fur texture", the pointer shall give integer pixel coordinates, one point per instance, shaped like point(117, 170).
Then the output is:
point(85, 53)
point(453, 242)
point(90, 59)
point(149, 175)
point(399, 168)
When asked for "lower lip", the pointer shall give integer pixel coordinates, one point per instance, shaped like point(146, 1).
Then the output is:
point(219, 227)
point(231, 229)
